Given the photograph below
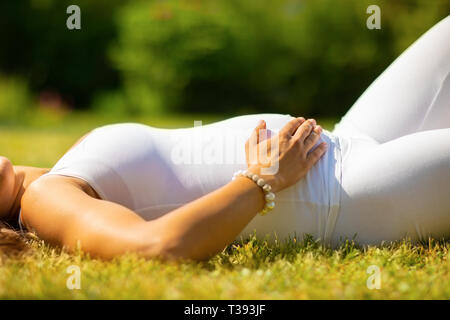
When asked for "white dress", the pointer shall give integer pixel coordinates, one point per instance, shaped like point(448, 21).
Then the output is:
point(153, 171)
point(385, 176)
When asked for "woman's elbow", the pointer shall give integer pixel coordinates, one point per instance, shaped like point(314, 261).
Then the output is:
point(154, 243)
point(169, 249)
point(175, 248)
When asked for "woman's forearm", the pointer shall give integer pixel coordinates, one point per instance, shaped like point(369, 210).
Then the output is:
point(207, 225)
point(204, 227)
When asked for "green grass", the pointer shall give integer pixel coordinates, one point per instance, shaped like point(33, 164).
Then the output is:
point(251, 269)
point(248, 270)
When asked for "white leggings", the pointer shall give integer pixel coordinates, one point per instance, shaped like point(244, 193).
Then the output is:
point(396, 173)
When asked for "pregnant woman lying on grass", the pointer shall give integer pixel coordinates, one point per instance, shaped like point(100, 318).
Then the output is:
point(383, 174)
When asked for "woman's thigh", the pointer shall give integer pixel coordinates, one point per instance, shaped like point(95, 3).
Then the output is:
point(397, 189)
point(411, 95)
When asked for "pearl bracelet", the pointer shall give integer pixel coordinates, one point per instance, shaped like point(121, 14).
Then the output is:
point(269, 196)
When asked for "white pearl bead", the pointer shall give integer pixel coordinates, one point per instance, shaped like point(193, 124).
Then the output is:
point(270, 196)
point(260, 182)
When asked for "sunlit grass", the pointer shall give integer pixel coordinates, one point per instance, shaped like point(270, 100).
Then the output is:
point(247, 270)
point(251, 269)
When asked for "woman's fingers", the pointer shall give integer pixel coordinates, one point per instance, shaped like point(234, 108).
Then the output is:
point(305, 129)
point(261, 126)
point(252, 143)
point(291, 126)
point(312, 139)
point(254, 138)
point(317, 153)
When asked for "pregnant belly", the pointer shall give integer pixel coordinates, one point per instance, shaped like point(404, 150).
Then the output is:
point(308, 207)
point(154, 171)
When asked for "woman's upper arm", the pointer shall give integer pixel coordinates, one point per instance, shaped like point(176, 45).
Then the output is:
point(61, 213)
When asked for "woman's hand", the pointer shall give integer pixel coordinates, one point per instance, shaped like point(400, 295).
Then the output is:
point(283, 159)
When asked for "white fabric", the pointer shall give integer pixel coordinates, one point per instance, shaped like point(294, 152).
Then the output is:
point(385, 176)
point(153, 171)
point(396, 170)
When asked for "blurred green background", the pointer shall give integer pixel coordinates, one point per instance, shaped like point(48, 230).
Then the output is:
point(162, 59)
